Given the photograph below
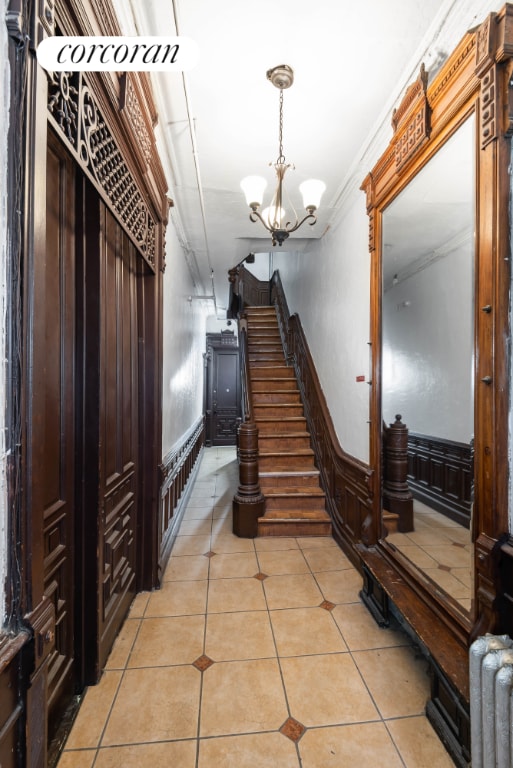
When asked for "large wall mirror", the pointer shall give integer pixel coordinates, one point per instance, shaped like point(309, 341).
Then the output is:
point(427, 363)
point(438, 201)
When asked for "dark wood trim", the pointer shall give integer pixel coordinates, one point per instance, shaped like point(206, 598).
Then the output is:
point(440, 473)
point(345, 480)
point(177, 472)
point(253, 292)
point(13, 652)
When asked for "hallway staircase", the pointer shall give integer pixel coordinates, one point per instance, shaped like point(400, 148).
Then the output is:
point(294, 500)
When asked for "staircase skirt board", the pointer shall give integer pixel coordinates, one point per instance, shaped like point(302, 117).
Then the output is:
point(295, 502)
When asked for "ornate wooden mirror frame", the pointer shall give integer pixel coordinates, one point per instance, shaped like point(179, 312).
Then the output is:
point(475, 80)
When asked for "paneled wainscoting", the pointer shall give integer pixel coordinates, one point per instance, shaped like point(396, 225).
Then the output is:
point(441, 473)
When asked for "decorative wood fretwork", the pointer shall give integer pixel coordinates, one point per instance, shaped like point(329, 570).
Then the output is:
point(130, 103)
point(74, 112)
point(410, 120)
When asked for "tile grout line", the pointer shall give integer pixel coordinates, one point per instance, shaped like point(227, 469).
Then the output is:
point(278, 660)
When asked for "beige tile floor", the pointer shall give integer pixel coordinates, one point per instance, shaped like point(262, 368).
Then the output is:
point(442, 549)
point(254, 654)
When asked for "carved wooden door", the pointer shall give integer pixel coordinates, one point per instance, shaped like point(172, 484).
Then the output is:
point(55, 423)
point(118, 428)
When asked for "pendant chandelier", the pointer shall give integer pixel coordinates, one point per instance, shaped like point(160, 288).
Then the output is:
point(280, 219)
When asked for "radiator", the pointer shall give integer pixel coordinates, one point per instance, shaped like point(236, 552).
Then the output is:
point(491, 702)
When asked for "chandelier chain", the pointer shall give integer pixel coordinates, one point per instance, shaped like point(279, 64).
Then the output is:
point(281, 156)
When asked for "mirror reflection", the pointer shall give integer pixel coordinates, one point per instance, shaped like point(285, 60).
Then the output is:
point(427, 360)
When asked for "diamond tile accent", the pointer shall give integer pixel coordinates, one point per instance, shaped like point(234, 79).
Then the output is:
point(292, 729)
point(209, 554)
point(202, 663)
point(260, 576)
point(327, 605)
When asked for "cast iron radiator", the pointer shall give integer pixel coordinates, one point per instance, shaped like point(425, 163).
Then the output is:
point(491, 701)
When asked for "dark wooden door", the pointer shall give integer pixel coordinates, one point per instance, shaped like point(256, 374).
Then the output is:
point(55, 332)
point(223, 395)
point(118, 428)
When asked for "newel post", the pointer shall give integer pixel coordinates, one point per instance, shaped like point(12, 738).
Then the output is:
point(397, 497)
point(248, 502)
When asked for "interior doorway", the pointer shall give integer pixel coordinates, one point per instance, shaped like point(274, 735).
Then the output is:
point(223, 394)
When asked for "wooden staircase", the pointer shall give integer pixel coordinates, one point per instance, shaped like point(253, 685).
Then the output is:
point(295, 503)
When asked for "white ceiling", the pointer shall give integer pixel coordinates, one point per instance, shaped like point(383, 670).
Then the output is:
point(219, 122)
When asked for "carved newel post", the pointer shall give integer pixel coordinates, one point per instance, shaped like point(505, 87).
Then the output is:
point(248, 502)
point(397, 497)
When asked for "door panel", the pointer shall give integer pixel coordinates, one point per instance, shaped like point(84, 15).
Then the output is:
point(118, 443)
point(56, 331)
point(225, 396)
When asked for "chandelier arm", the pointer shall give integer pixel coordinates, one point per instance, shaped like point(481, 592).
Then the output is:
point(298, 223)
point(255, 216)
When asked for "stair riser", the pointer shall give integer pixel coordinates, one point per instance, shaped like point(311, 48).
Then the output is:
point(265, 360)
point(266, 332)
point(268, 411)
point(266, 349)
point(291, 463)
point(292, 528)
point(264, 398)
point(269, 386)
point(272, 372)
point(281, 427)
point(299, 481)
point(282, 503)
point(270, 442)
point(255, 323)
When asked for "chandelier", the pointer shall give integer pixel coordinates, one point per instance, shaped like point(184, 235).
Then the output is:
point(275, 218)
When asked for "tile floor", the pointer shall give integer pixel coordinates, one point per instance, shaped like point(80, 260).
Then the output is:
point(442, 549)
point(254, 654)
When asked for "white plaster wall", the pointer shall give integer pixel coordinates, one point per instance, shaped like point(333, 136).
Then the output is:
point(4, 123)
point(260, 267)
point(328, 286)
point(428, 349)
point(184, 343)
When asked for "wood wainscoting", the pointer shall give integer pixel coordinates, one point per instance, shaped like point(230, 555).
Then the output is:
point(345, 480)
point(177, 471)
point(440, 473)
point(12, 707)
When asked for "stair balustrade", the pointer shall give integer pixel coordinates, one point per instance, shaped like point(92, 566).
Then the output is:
point(346, 480)
point(248, 502)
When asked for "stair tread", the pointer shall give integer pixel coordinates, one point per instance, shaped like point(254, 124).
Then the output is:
point(294, 491)
point(277, 405)
point(290, 473)
point(277, 454)
point(295, 514)
point(283, 434)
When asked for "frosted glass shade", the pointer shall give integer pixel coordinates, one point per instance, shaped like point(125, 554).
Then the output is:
point(273, 216)
point(311, 191)
point(253, 187)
